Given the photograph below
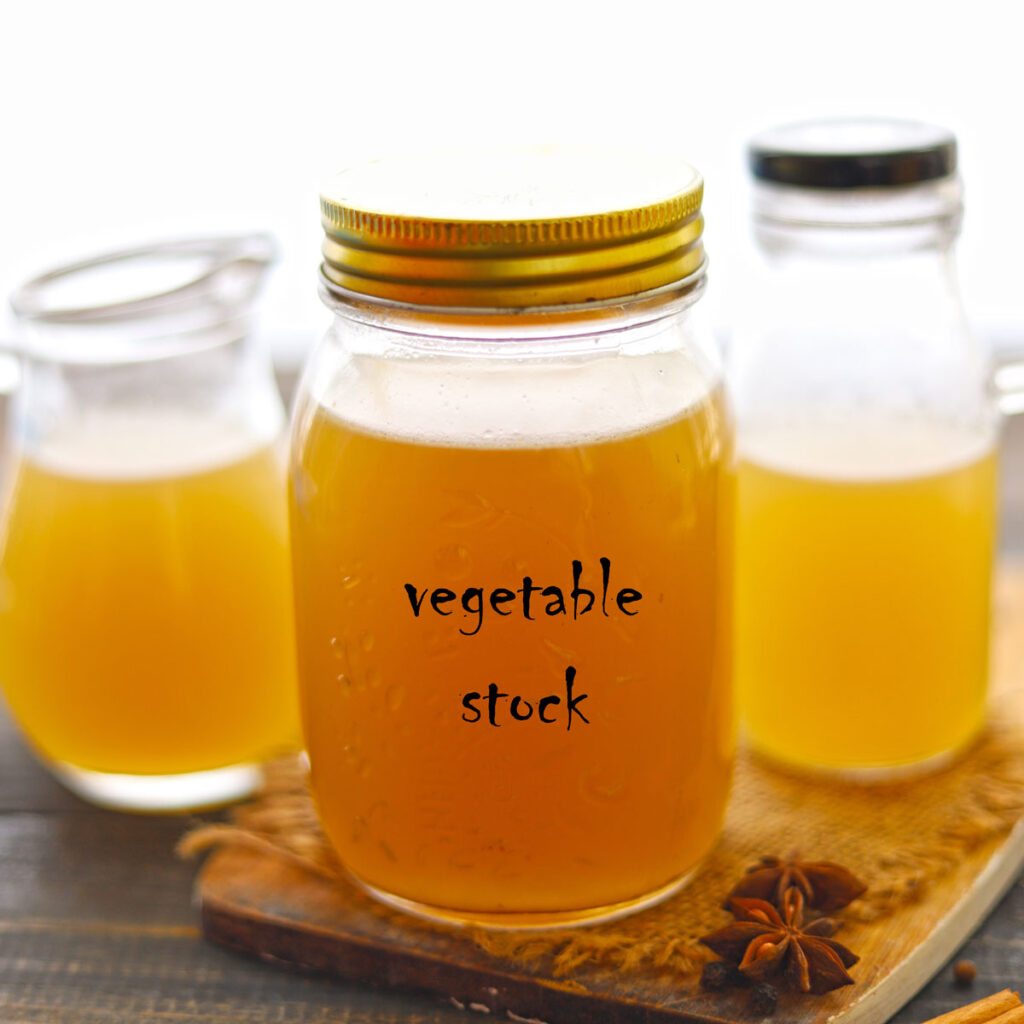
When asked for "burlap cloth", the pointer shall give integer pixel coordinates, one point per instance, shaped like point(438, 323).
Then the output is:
point(898, 837)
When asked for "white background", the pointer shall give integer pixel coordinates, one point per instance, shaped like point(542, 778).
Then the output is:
point(125, 121)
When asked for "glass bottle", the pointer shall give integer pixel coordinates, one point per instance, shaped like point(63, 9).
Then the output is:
point(145, 627)
point(867, 432)
point(510, 497)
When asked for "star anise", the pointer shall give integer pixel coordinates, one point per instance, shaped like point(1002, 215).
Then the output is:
point(825, 886)
point(765, 942)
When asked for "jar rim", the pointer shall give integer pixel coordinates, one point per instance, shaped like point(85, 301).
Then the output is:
point(504, 323)
point(216, 256)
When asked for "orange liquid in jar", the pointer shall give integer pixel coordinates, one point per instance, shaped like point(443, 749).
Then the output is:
point(864, 563)
point(145, 621)
point(421, 800)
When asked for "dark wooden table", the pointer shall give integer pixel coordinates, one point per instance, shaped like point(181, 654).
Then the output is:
point(96, 921)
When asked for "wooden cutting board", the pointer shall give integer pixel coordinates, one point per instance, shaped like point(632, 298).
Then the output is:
point(261, 903)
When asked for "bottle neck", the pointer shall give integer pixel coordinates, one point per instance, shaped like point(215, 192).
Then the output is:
point(867, 257)
point(907, 216)
point(855, 307)
point(881, 285)
point(870, 255)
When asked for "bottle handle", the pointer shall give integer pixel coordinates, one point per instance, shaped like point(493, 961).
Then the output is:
point(1008, 382)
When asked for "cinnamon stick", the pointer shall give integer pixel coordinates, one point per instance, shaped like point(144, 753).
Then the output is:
point(1003, 1007)
point(1014, 1016)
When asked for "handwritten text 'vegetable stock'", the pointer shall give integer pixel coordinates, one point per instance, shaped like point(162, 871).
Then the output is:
point(532, 601)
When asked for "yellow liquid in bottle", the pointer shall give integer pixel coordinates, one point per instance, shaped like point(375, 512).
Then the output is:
point(863, 599)
point(522, 816)
point(145, 620)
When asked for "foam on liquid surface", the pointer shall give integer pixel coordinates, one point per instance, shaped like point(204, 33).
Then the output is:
point(144, 444)
point(481, 404)
point(857, 450)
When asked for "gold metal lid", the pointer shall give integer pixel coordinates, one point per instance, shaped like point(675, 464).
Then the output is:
point(513, 228)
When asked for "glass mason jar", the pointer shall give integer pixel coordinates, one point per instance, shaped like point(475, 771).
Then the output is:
point(867, 431)
point(510, 520)
point(146, 644)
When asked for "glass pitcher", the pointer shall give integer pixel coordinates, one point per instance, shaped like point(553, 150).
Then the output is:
point(867, 426)
point(145, 619)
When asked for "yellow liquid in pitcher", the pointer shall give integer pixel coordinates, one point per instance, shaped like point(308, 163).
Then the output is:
point(426, 802)
point(145, 620)
point(863, 599)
